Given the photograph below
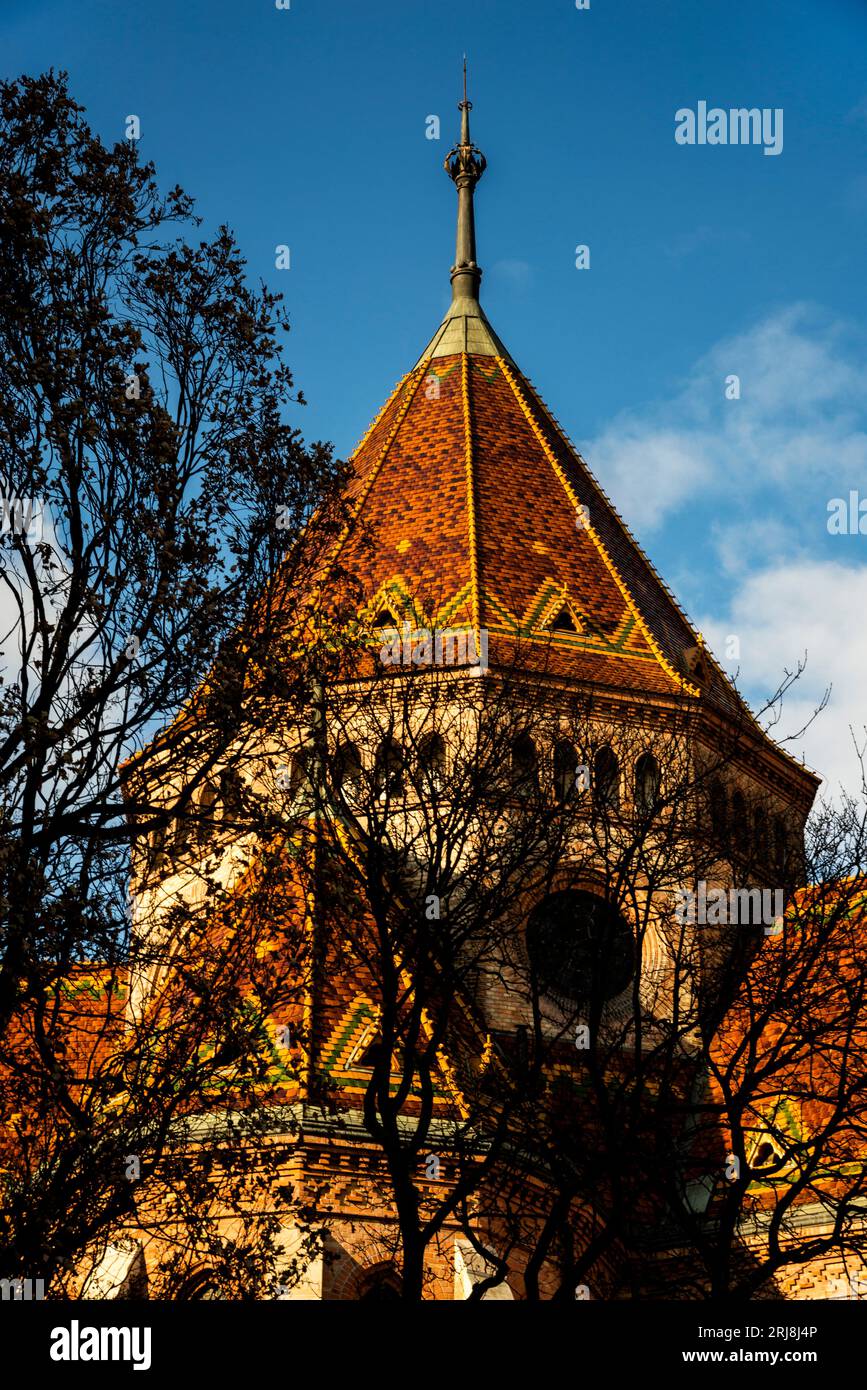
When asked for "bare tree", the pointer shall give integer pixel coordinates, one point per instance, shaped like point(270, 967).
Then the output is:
point(152, 493)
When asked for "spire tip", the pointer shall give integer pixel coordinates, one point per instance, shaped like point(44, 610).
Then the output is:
point(465, 165)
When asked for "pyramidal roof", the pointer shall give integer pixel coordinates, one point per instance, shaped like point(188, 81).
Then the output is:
point(470, 506)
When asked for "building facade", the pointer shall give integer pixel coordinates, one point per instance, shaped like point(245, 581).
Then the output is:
point(484, 610)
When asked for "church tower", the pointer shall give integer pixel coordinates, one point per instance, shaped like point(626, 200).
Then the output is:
point(481, 567)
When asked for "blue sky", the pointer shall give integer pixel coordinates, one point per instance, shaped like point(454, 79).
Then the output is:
point(307, 127)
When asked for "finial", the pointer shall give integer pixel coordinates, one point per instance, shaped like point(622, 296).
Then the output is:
point(465, 165)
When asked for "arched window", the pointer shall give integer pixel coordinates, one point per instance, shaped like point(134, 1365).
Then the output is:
point(346, 770)
point(389, 770)
point(566, 775)
point(157, 859)
point(781, 844)
point(740, 822)
point(525, 766)
point(206, 814)
point(231, 796)
point(760, 835)
point(432, 760)
point(183, 828)
point(199, 1287)
point(379, 1284)
point(647, 783)
point(719, 812)
point(606, 779)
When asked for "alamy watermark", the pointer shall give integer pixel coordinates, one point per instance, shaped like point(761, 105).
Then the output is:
point(443, 646)
point(738, 126)
point(848, 516)
point(77, 1343)
point(23, 517)
point(730, 907)
point(22, 1290)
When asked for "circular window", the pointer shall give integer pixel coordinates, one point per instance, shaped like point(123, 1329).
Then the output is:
point(381, 1285)
point(580, 947)
point(200, 1286)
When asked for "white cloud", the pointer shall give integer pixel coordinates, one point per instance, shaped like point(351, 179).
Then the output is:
point(652, 469)
point(800, 417)
point(789, 610)
point(739, 541)
point(739, 490)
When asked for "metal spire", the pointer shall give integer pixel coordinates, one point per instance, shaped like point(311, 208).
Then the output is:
point(465, 166)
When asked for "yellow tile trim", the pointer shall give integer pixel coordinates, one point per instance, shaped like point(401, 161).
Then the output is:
point(471, 498)
point(308, 1001)
point(378, 416)
point(421, 371)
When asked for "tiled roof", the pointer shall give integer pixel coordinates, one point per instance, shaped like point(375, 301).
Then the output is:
point(472, 509)
point(791, 1049)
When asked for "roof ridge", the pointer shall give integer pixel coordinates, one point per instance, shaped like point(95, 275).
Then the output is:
point(624, 526)
point(377, 417)
point(475, 585)
point(663, 584)
point(666, 588)
point(598, 542)
point(376, 469)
